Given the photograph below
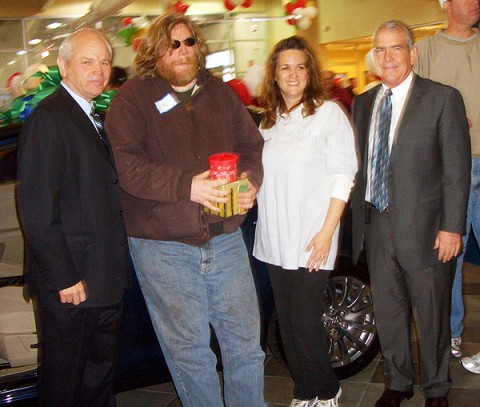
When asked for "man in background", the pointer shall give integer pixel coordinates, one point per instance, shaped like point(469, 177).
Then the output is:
point(333, 91)
point(452, 57)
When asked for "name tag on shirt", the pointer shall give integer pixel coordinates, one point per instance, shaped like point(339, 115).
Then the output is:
point(166, 103)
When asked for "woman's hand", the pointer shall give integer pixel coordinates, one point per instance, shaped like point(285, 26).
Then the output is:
point(320, 246)
point(322, 241)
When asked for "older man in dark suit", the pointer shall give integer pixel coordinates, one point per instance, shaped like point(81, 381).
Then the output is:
point(76, 257)
point(409, 208)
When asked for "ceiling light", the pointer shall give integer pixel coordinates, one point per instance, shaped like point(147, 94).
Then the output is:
point(35, 41)
point(11, 62)
point(60, 36)
point(45, 54)
point(21, 52)
point(53, 26)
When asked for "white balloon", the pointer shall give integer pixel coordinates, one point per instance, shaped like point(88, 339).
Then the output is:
point(140, 21)
point(253, 78)
point(298, 11)
point(310, 12)
point(304, 23)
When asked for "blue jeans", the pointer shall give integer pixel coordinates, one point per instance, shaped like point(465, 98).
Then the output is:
point(473, 222)
point(186, 288)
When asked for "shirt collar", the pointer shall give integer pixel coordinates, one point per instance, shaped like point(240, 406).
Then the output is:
point(297, 112)
point(402, 89)
point(84, 104)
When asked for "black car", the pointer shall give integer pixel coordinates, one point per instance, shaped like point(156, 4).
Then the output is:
point(349, 317)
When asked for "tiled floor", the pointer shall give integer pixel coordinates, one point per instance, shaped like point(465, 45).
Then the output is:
point(361, 390)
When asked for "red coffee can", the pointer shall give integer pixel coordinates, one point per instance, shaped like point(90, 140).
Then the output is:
point(223, 165)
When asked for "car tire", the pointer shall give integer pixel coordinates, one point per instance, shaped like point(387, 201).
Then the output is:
point(348, 319)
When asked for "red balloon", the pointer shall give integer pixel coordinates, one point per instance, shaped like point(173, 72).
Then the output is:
point(292, 21)
point(180, 7)
point(247, 3)
point(289, 7)
point(127, 21)
point(136, 43)
point(228, 5)
point(241, 90)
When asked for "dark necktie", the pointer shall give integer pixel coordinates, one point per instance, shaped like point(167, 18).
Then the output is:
point(97, 120)
point(381, 154)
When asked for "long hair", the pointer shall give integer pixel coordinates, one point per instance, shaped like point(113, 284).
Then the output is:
point(156, 42)
point(271, 98)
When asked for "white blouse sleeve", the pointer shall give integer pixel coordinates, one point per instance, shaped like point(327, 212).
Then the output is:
point(341, 154)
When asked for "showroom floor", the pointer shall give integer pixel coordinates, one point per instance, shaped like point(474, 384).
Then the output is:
point(362, 389)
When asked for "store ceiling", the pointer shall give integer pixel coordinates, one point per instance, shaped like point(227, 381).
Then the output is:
point(74, 9)
point(23, 9)
point(66, 8)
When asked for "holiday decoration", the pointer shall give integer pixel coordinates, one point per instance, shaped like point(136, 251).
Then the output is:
point(231, 4)
point(133, 29)
point(47, 80)
point(301, 13)
point(241, 90)
point(180, 7)
point(253, 78)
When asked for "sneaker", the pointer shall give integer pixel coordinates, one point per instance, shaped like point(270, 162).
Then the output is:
point(455, 346)
point(330, 403)
point(303, 403)
point(472, 363)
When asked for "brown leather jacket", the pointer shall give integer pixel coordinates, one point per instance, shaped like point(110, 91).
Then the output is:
point(158, 148)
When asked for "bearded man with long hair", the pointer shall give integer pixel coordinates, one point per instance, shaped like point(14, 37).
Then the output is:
point(192, 266)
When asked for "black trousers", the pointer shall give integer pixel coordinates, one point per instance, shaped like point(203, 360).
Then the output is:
point(77, 355)
point(299, 303)
point(396, 293)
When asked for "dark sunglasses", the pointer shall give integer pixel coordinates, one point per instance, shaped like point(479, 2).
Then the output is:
point(189, 42)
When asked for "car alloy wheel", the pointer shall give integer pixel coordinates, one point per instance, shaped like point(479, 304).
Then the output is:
point(349, 321)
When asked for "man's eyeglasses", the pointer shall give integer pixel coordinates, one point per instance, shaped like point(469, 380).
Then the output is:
point(189, 42)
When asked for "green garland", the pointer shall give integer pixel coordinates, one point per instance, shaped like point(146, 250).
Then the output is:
point(23, 105)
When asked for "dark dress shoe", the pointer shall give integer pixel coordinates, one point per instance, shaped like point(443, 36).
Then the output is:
point(436, 402)
point(393, 398)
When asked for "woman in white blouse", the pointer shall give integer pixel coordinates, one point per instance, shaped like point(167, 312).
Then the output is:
point(309, 164)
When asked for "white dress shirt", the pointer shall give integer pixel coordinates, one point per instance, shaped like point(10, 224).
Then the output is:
point(84, 104)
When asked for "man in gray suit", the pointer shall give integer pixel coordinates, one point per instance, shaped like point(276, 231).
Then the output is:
point(410, 213)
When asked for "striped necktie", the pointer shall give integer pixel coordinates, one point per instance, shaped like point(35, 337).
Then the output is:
point(97, 120)
point(381, 154)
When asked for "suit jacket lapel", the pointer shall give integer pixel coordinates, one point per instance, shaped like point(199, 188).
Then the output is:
point(408, 116)
point(87, 128)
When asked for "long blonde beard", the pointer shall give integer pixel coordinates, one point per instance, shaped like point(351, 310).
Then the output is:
point(166, 71)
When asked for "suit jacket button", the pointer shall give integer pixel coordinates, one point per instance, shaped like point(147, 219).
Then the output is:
point(115, 181)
